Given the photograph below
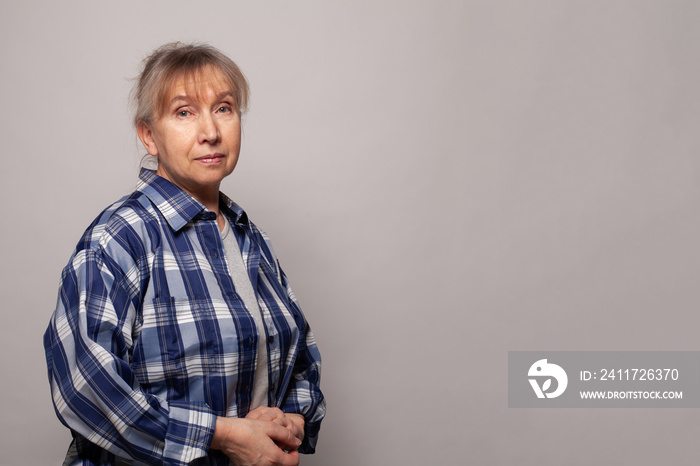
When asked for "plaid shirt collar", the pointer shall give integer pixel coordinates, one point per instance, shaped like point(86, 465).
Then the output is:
point(178, 207)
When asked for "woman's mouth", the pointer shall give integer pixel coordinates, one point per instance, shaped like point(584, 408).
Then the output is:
point(211, 158)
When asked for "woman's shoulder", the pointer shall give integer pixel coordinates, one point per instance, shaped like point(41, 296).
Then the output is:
point(127, 224)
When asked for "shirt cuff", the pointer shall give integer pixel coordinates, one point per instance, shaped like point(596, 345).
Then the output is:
point(312, 405)
point(190, 431)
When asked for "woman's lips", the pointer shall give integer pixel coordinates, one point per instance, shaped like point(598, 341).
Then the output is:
point(213, 158)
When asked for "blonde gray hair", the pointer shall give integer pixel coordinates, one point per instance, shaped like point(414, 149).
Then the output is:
point(176, 60)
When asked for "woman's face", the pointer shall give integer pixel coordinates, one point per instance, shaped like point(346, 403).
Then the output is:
point(197, 138)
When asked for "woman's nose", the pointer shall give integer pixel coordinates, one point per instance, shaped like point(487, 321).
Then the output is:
point(208, 129)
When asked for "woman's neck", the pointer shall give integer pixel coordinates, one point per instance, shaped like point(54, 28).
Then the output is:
point(210, 200)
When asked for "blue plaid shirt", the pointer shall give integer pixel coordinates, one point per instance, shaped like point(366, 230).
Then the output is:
point(150, 342)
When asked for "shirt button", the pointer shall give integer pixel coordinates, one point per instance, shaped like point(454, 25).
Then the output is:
point(270, 339)
point(250, 340)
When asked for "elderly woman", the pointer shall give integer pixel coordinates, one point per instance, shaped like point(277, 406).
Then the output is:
point(176, 338)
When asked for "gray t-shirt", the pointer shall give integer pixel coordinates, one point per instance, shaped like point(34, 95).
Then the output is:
point(244, 288)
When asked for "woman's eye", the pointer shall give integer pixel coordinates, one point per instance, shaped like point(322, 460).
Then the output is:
point(224, 109)
point(183, 113)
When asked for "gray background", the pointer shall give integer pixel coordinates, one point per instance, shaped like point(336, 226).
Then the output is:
point(444, 181)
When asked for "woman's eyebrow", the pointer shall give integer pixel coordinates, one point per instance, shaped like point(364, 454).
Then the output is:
point(223, 94)
point(186, 98)
point(179, 97)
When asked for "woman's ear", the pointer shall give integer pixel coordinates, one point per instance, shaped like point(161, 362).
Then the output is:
point(146, 137)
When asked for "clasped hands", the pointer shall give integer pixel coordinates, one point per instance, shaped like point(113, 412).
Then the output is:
point(265, 437)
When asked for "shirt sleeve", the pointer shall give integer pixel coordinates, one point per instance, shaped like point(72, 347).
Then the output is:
point(304, 394)
point(95, 393)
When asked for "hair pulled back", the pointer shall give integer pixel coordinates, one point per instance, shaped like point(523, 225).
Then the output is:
point(173, 61)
